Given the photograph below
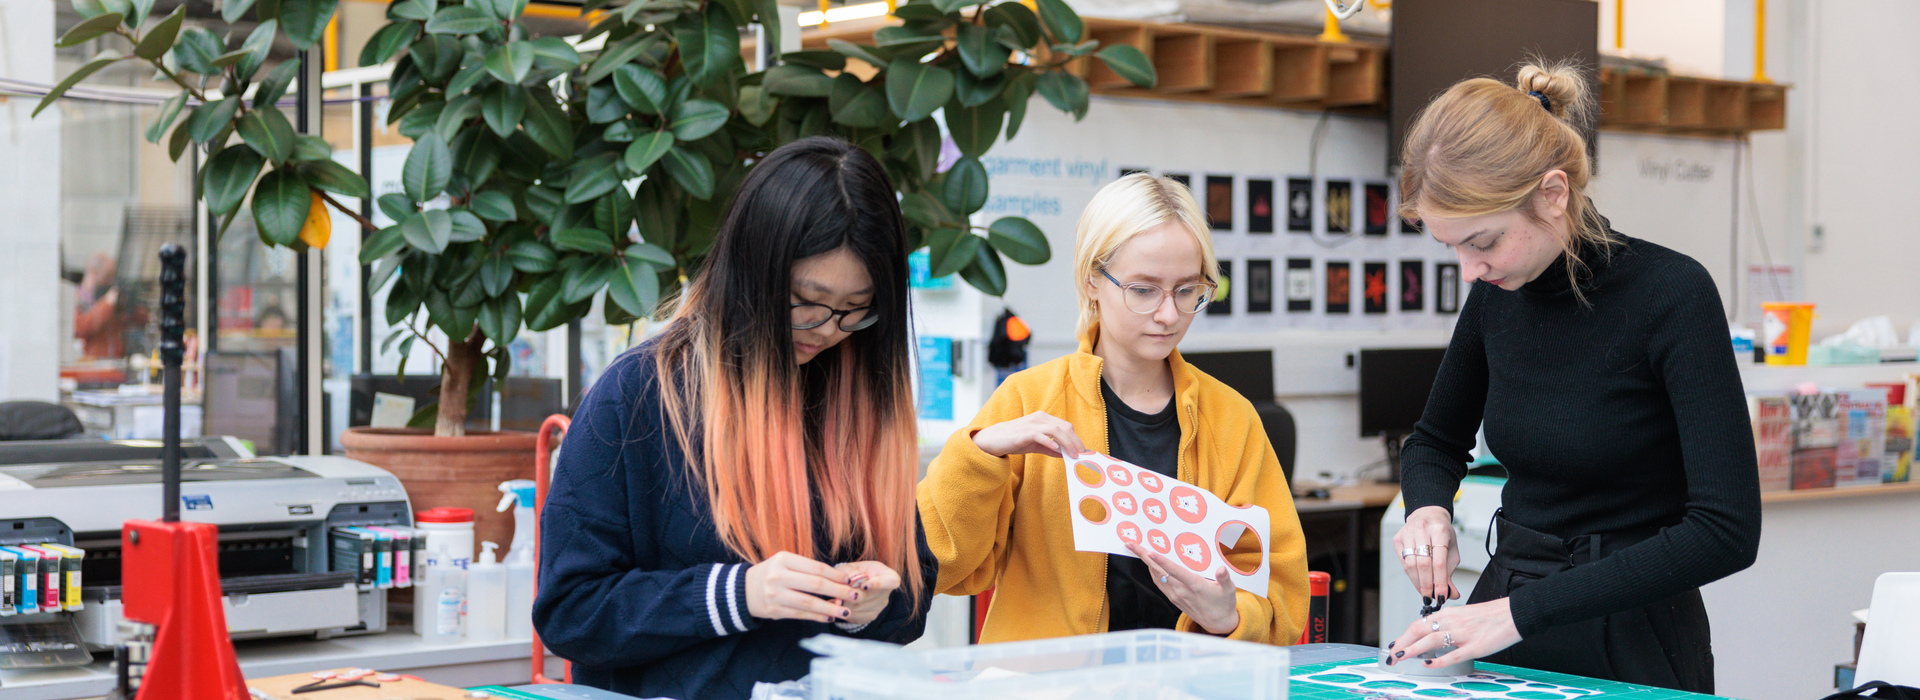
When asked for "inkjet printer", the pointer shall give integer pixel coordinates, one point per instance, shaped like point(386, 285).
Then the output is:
point(275, 514)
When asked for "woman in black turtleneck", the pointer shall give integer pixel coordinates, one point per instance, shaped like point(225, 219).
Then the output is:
point(1599, 366)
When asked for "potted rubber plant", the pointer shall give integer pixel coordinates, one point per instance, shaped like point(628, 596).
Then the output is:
point(542, 176)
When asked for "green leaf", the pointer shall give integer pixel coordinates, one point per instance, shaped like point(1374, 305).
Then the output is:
point(472, 71)
point(952, 252)
point(871, 55)
point(1065, 91)
point(797, 81)
point(646, 149)
point(463, 20)
point(921, 12)
point(500, 319)
point(159, 40)
point(531, 257)
point(696, 118)
point(396, 206)
point(228, 59)
point(1062, 22)
point(492, 206)
point(384, 44)
point(1128, 62)
point(232, 10)
point(593, 177)
point(981, 52)
point(973, 91)
point(269, 132)
point(552, 52)
point(618, 54)
point(635, 287)
point(466, 228)
point(330, 176)
point(195, 49)
point(691, 171)
point(966, 186)
point(275, 85)
point(915, 90)
point(458, 112)
point(428, 168)
point(923, 209)
point(709, 43)
point(756, 104)
point(545, 310)
point(767, 13)
point(986, 273)
point(906, 44)
point(620, 132)
point(163, 118)
point(502, 105)
point(101, 60)
point(583, 240)
point(256, 48)
point(858, 104)
point(382, 244)
point(308, 147)
point(583, 280)
point(651, 254)
point(549, 126)
point(94, 28)
point(280, 206)
point(953, 5)
point(178, 142)
point(974, 128)
point(1020, 240)
point(604, 105)
point(1019, 92)
point(210, 118)
point(228, 176)
point(429, 231)
point(510, 62)
point(417, 10)
point(305, 21)
point(818, 58)
point(1017, 17)
point(641, 88)
point(925, 135)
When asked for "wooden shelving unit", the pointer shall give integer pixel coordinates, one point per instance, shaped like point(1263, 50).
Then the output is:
point(1654, 101)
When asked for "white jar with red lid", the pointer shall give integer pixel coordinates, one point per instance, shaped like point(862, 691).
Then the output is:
point(451, 528)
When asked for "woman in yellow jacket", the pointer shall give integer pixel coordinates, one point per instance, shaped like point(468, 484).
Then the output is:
point(995, 503)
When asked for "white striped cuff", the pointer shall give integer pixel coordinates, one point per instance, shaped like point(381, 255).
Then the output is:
point(727, 599)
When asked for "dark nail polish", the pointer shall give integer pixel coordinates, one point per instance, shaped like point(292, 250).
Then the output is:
point(856, 595)
point(1390, 644)
point(1399, 654)
point(1428, 662)
point(844, 613)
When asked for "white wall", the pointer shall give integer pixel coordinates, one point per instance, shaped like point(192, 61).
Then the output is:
point(30, 195)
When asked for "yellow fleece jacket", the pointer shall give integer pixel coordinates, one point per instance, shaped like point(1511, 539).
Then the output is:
point(1003, 522)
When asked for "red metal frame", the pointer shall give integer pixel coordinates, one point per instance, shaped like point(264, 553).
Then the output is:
point(542, 477)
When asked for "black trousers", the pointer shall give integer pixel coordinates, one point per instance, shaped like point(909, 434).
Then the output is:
point(1667, 644)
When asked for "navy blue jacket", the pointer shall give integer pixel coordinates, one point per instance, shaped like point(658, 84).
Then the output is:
point(635, 586)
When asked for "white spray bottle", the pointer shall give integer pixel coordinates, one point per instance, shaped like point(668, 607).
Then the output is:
point(486, 598)
point(519, 496)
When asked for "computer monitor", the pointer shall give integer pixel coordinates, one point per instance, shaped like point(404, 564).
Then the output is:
point(253, 396)
point(525, 402)
point(1394, 383)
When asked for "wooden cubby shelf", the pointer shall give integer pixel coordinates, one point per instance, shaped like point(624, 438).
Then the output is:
point(1634, 99)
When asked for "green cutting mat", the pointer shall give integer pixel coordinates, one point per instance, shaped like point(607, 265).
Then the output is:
point(1301, 689)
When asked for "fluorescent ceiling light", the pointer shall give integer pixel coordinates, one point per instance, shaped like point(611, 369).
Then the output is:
point(842, 14)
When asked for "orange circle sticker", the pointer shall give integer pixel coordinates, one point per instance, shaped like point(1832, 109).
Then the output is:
point(1245, 534)
point(1089, 474)
point(1152, 482)
point(1155, 510)
point(1159, 542)
point(1129, 532)
point(1094, 510)
point(1193, 551)
point(1124, 503)
point(1120, 475)
point(1187, 503)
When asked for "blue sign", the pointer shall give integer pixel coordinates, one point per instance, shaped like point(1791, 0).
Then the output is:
point(936, 378)
point(197, 502)
point(920, 273)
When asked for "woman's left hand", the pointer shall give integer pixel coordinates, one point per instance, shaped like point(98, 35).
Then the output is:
point(876, 582)
point(1475, 631)
point(1210, 604)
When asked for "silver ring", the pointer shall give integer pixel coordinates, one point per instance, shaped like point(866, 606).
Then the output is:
point(1163, 578)
point(1434, 625)
point(1426, 550)
point(1404, 553)
point(1447, 638)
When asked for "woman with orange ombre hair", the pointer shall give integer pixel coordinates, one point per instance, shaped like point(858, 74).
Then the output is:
point(746, 479)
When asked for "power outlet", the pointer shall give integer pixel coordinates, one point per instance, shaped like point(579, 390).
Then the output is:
point(1817, 239)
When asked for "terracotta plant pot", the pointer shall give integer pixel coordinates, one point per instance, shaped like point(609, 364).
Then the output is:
point(462, 472)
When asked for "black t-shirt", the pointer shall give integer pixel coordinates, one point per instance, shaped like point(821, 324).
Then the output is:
point(1151, 441)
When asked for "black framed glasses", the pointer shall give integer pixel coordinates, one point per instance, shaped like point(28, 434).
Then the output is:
point(1143, 298)
point(808, 315)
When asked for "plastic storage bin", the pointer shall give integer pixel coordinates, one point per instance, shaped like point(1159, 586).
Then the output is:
point(1134, 665)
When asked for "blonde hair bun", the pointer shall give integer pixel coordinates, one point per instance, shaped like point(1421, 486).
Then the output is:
point(1565, 86)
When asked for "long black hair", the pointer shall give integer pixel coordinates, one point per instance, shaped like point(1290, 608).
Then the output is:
point(765, 432)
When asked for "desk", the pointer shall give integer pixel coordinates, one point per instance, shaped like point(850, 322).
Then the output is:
point(1341, 525)
point(460, 665)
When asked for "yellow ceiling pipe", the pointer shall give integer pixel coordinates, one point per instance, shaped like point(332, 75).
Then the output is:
point(1619, 25)
point(1760, 42)
point(1332, 32)
point(331, 45)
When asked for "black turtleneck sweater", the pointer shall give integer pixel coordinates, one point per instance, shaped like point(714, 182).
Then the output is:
point(1622, 414)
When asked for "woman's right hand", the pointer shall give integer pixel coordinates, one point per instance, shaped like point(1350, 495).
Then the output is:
point(1034, 432)
point(1432, 574)
point(788, 586)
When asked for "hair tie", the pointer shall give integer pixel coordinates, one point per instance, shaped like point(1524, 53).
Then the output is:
point(1545, 103)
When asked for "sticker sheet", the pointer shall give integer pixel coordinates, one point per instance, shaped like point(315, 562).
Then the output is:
point(1368, 677)
point(1115, 503)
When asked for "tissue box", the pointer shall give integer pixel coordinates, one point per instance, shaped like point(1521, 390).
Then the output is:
point(1138, 664)
point(1842, 355)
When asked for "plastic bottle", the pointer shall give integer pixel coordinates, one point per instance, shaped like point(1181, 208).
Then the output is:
point(450, 529)
point(440, 601)
point(519, 563)
point(486, 597)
